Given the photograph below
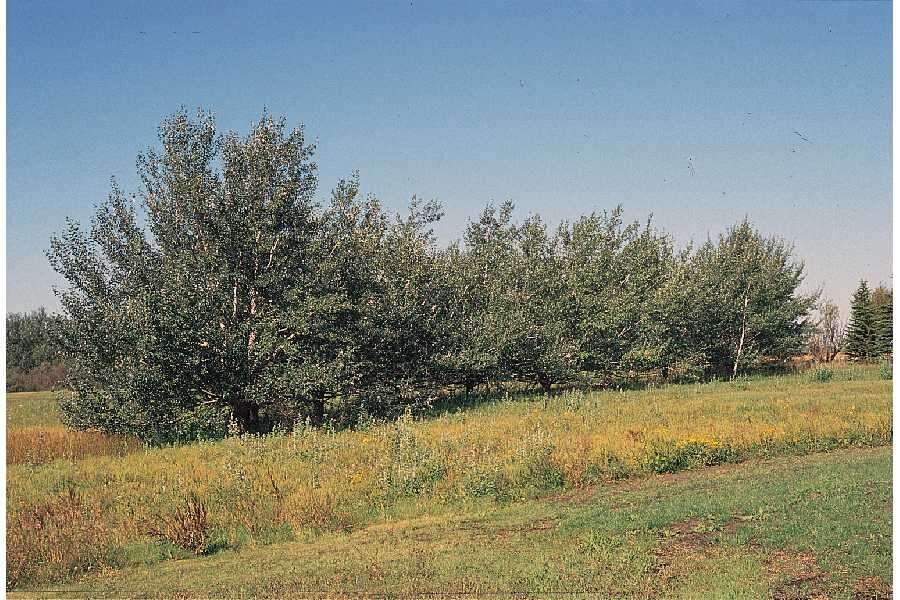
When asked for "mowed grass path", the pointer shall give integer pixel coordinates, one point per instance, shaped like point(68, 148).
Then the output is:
point(108, 513)
point(810, 527)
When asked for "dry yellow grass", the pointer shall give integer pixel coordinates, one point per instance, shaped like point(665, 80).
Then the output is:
point(34, 434)
point(38, 445)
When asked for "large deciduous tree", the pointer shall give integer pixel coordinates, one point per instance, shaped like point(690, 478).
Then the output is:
point(540, 346)
point(480, 312)
point(171, 291)
point(744, 301)
point(223, 292)
point(613, 274)
point(374, 344)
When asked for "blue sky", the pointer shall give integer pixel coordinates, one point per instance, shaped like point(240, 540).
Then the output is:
point(563, 109)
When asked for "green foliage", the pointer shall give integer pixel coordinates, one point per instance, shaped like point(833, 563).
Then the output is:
point(862, 324)
point(480, 304)
point(240, 296)
point(669, 457)
point(539, 347)
point(882, 306)
point(222, 293)
point(614, 274)
point(489, 483)
point(30, 339)
point(871, 330)
point(822, 375)
point(507, 319)
point(737, 302)
point(886, 369)
point(33, 358)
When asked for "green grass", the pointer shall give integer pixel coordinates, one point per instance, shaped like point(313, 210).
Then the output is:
point(31, 409)
point(794, 526)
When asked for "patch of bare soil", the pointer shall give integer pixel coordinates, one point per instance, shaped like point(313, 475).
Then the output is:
point(872, 588)
point(480, 530)
point(574, 496)
point(797, 576)
point(689, 540)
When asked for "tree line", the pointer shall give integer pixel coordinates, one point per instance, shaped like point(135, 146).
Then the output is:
point(33, 357)
point(223, 292)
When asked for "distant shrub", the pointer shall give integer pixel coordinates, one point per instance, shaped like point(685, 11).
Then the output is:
point(412, 465)
point(741, 382)
point(540, 472)
point(613, 467)
point(492, 483)
point(886, 369)
point(822, 375)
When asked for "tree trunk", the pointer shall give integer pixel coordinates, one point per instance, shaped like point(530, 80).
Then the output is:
point(740, 348)
point(247, 416)
point(545, 382)
point(317, 411)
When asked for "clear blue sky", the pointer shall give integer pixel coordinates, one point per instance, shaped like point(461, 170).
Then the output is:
point(563, 109)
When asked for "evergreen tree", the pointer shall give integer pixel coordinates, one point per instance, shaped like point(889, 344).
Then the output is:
point(860, 336)
point(882, 306)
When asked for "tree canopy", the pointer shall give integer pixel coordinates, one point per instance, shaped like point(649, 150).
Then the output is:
point(223, 292)
point(33, 358)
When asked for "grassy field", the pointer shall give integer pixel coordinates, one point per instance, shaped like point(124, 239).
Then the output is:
point(34, 434)
point(808, 527)
point(459, 502)
point(31, 409)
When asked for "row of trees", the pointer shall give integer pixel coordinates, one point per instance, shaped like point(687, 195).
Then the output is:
point(33, 360)
point(224, 291)
point(868, 335)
